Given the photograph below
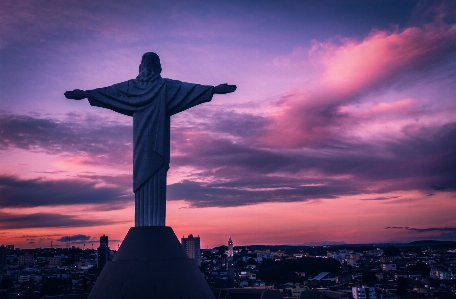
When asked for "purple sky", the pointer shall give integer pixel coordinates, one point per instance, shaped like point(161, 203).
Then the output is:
point(342, 129)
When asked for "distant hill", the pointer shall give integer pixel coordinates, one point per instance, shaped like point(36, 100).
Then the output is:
point(359, 247)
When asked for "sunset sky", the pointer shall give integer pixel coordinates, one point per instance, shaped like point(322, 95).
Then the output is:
point(342, 129)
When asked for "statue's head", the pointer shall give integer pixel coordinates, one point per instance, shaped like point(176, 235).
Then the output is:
point(150, 61)
point(150, 68)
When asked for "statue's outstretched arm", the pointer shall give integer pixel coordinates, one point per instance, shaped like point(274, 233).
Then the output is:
point(76, 94)
point(224, 88)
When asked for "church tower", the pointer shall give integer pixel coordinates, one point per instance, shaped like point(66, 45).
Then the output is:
point(230, 247)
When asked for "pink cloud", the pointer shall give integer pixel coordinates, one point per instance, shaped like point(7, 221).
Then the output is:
point(382, 57)
point(401, 105)
point(350, 71)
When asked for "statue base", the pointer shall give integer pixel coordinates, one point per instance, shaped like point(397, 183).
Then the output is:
point(151, 263)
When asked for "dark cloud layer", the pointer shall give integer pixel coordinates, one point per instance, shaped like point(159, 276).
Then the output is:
point(40, 192)
point(425, 159)
point(79, 239)
point(424, 233)
point(101, 141)
point(241, 170)
point(17, 221)
point(245, 192)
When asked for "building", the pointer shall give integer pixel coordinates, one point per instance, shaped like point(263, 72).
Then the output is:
point(26, 259)
point(2, 258)
point(389, 267)
point(296, 292)
point(104, 240)
point(103, 252)
point(442, 273)
point(230, 247)
point(54, 261)
point(192, 247)
point(325, 276)
point(262, 255)
point(363, 292)
point(340, 256)
point(375, 252)
point(322, 294)
point(247, 293)
point(387, 259)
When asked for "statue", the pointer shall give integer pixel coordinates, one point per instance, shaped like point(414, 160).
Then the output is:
point(151, 100)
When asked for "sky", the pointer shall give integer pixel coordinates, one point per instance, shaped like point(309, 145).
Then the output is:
point(342, 128)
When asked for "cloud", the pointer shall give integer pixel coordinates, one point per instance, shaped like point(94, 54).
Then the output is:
point(400, 105)
point(227, 172)
point(382, 198)
point(36, 236)
point(384, 58)
point(79, 239)
point(41, 192)
point(349, 72)
point(229, 168)
point(440, 12)
point(98, 141)
point(425, 233)
point(30, 21)
point(38, 220)
point(248, 192)
point(309, 145)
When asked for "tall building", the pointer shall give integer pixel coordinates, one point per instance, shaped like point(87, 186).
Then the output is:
point(104, 239)
point(2, 259)
point(192, 247)
point(103, 252)
point(230, 247)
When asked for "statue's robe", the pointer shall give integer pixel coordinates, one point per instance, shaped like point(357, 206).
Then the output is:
point(151, 104)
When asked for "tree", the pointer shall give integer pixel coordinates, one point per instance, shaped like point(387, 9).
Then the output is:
point(368, 277)
point(221, 249)
point(419, 267)
point(241, 264)
point(402, 286)
point(6, 283)
point(391, 251)
point(51, 286)
point(207, 254)
point(251, 261)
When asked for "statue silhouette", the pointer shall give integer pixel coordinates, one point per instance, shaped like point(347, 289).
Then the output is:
point(151, 100)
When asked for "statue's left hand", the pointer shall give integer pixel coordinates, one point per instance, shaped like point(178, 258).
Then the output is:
point(224, 88)
point(76, 94)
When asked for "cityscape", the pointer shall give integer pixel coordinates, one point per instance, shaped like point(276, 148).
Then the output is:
point(421, 269)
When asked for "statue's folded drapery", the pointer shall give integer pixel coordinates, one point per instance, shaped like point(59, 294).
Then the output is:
point(151, 104)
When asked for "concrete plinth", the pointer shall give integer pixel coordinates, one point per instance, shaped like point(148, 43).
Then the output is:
point(151, 263)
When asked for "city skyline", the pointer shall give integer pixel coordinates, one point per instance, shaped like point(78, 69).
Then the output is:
point(342, 129)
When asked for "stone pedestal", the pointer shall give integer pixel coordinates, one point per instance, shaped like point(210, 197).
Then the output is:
point(151, 263)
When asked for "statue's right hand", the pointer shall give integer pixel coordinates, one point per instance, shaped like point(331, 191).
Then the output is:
point(76, 94)
point(224, 88)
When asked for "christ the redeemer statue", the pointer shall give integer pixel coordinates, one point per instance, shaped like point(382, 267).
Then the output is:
point(151, 100)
